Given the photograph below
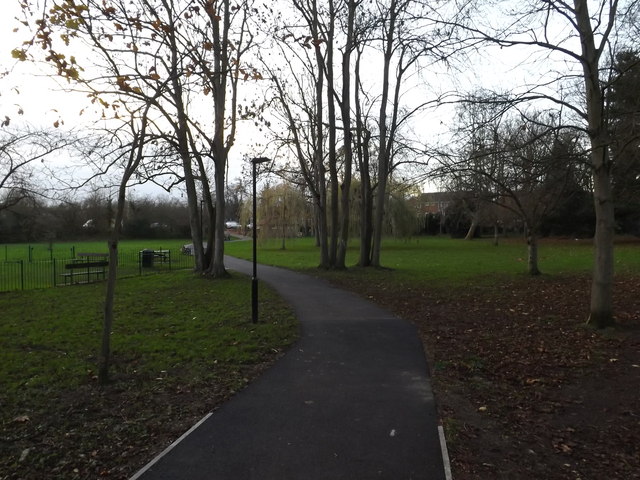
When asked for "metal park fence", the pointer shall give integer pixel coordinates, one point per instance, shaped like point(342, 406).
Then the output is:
point(86, 267)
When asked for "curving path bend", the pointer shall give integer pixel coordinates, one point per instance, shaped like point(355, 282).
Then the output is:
point(350, 400)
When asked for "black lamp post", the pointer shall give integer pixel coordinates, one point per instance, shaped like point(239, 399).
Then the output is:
point(254, 278)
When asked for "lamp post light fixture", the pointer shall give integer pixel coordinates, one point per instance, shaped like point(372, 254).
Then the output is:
point(254, 279)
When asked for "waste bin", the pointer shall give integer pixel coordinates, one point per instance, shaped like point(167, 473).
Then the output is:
point(147, 258)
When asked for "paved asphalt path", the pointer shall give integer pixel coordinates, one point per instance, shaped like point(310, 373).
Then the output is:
point(350, 400)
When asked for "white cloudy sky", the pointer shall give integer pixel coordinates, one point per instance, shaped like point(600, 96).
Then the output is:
point(490, 67)
point(44, 102)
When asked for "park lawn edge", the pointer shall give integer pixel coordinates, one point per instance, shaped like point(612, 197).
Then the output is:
point(182, 345)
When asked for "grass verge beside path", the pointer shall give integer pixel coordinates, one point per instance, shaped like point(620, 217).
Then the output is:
point(182, 344)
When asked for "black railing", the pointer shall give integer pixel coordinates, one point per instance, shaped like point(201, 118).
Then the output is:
point(28, 275)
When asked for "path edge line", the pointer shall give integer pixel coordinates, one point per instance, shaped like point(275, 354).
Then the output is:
point(445, 453)
point(169, 448)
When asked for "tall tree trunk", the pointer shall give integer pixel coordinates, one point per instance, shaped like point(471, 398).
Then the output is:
point(135, 156)
point(104, 359)
point(319, 167)
point(345, 110)
point(532, 254)
point(366, 227)
point(601, 314)
point(379, 212)
point(334, 188)
point(217, 269)
point(206, 202)
point(366, 211)
point(322, 227)
point(471, 233)
point(182, 134)
point(221, 25)
point(194, 212)
point(366, 204)
point(384, 152)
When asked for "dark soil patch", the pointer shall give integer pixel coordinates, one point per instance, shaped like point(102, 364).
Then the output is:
point(90, 433)
point(525, 389)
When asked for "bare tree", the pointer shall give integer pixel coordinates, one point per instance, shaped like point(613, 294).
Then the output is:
point(312, 37)
point(409, 37)
point(581, 34)
point(171, 54)
point(347, 144)
point(524, 163)
point(228, 37)
point(397, 35)
point(131, 156)
point(296, 102)
point(538, 167)
point(21, 151)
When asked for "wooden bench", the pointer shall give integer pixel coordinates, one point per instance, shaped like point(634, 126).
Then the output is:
point(85, 269)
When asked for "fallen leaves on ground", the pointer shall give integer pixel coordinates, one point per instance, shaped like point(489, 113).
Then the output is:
point(525, 389)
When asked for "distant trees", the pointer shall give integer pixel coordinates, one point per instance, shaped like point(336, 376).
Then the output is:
point(39, 220)
point(29, 156)
point(623, 111)
point(236, 193)
point(524, 163)
point(283, 213)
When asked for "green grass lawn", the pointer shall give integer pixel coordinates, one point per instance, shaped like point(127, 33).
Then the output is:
point(451, 261)
point(181, 344)
point(167, 323)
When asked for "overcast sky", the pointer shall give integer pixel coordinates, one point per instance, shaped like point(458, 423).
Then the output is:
point(30, 89)
point(44, 103)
